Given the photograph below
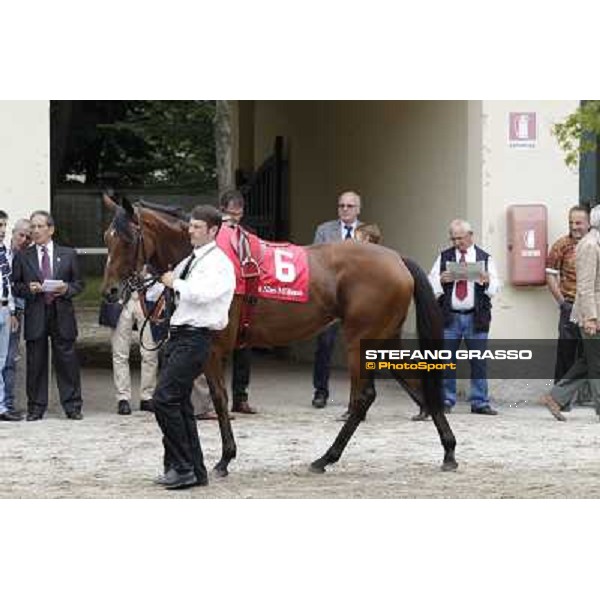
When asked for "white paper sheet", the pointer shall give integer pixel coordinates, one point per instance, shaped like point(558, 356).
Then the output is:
point(469, 271)
point(51, 285)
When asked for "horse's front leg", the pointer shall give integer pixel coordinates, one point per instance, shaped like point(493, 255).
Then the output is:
point(216, 381)
point(362, 395)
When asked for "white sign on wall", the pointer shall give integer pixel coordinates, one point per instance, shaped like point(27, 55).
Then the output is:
point(522, 129)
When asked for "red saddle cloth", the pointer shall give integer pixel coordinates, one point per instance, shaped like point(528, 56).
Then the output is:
point(282, 268)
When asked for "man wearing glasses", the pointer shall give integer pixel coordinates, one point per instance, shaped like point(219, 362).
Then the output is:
point(343, 228)
point(467, 309)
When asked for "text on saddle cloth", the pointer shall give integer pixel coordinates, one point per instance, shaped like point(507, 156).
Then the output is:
point(282, 268)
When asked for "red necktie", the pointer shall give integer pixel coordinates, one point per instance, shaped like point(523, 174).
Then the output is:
point(461, 286)
point(46, 273)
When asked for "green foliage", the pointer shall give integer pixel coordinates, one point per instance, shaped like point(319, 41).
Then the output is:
point(90, 297)
point(141, 143)
point(165, 143)
point(579, 132)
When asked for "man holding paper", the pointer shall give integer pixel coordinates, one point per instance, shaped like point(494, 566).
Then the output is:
point(47, 276)
point(464, 279)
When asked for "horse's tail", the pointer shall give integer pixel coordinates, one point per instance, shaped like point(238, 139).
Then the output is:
point(430, 327)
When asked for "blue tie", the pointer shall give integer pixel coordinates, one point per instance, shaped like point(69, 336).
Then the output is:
point(5, 271)
point(348, 229)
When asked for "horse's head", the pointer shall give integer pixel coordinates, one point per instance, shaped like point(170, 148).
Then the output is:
point(123, 239)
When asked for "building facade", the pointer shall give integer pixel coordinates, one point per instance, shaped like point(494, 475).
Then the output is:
point(416, 164)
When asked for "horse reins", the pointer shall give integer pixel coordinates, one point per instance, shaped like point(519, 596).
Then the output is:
point(136, 282)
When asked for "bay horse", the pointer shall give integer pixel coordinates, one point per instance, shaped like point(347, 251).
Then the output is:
point(367, 287)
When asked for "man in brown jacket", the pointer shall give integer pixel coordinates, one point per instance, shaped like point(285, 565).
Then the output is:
point(586, 313)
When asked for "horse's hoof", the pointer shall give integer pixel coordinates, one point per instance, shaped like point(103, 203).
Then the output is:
point(316, 467)
point(450, 466)
point(220, 471)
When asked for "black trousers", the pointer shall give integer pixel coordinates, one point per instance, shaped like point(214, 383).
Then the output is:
point(185, 353)
point(323, 353)
point(569, 342)
point(66, 367)
point(240, 378)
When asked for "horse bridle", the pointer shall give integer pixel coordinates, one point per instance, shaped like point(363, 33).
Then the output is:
point(136, 281)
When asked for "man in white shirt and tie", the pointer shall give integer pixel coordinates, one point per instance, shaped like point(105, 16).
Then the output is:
point(204, 284)
point(467, 312)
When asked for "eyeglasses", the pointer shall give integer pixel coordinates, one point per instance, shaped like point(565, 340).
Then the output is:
point(347, 205)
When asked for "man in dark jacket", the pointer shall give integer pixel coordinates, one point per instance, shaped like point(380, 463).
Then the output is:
point(341, 229)
point(47, 276)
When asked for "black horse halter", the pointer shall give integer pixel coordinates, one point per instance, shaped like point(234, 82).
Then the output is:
point(136, 281)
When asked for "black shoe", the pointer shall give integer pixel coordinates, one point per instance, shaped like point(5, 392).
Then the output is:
point(172, 477)
point(34, 417)
point(422, 416)
point(484, 410)
point(319, 400)
point(11, 416)
point(242, 406)
point(147, 405)
point(167, 477)
point(182, 481)
point(124, 408)
point(75, 415)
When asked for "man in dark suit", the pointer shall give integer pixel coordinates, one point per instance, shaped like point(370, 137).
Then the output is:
point(49, 313)
point(343, 228)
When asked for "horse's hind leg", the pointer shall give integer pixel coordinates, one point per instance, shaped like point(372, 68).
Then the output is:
point(357, 414)
point(414, 388)
point(447, 438)
point(216, 382)
point(362, 395)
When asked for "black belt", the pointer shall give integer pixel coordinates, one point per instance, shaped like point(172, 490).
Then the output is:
point(188, 329)
point(463, 312)
point(3, 302)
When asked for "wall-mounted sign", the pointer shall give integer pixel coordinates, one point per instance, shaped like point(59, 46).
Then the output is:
point(522, 129)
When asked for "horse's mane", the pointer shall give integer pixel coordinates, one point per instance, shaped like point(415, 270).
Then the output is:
point(172, 211)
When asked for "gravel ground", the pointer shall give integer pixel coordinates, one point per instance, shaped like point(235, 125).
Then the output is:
point(521, 453)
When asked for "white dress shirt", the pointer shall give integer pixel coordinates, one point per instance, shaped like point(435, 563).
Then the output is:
point(153, 293)
point(40, 254)
point(343, 228)
point(206, 294)
point(469, 302)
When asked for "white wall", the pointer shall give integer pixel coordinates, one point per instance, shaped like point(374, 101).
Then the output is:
point(24, 157)
point(414, 163)
point(522, 176)
point(420, 164)
point(407, 159)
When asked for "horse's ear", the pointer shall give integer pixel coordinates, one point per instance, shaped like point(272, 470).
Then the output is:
point(109, 201)
point(129, 209)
